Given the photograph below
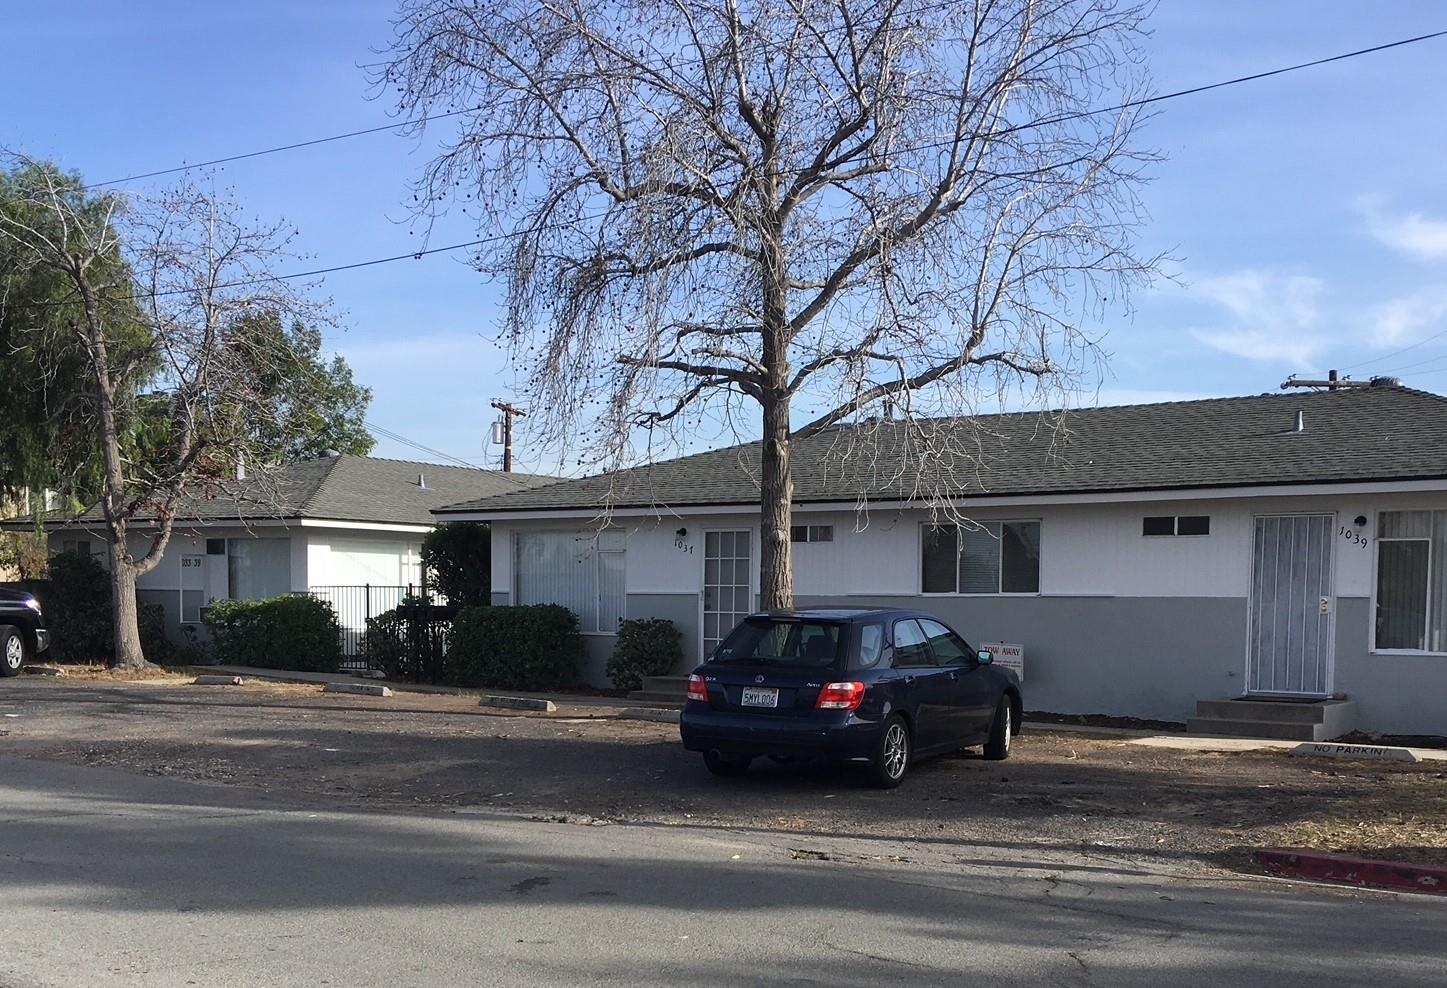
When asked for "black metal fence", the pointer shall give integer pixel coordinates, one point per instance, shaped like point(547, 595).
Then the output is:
point(354, 607)
point(411, 645)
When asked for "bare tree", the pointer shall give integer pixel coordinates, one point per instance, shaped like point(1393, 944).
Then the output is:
point(849, 206)
point(188, 270)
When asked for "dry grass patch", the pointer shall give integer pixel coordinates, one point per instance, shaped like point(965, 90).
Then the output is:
point(1395, 814)
point(157, 675)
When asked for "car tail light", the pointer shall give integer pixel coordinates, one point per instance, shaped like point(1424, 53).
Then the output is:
point(840, 696)
point(697, 688)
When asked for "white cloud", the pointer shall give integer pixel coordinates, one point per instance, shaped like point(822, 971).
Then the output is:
point(1271, 317)
point(1413, 234)
point(1408, 318)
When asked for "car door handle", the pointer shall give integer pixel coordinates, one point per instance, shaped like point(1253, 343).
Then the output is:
point(908, 680)
point(954, 677)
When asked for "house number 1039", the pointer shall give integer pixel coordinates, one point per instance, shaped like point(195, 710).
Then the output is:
point(1352, 535)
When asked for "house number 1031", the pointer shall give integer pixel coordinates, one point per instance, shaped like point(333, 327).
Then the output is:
point(1352, 535)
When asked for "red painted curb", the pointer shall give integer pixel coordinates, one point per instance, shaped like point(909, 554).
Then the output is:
point(1395, 875)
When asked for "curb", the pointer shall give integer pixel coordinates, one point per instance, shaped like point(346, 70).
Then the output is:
point(217, 681)
point(649, 713)
point(43, 671)
point(1396, 876)
point(364, 689)
point(517, 703)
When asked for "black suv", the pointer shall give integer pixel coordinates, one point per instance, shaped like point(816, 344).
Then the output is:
point(22, 630)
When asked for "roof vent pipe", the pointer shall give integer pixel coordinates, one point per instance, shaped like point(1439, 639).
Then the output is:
point(241, 466)
point(1300, 421)
point(422, 481)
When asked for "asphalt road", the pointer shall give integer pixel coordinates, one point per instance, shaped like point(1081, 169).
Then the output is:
point(111, 878)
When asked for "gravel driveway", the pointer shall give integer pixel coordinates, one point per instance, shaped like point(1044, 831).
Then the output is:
point(1058, 790)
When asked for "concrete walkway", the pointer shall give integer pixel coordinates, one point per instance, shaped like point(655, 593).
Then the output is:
point(1201, 742)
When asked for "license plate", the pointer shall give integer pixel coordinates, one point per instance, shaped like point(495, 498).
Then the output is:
point(755, 697)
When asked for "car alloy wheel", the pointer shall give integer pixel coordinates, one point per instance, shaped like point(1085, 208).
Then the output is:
point(14, 651)
point(997, 747)
point(891, 754)
point(896, 750)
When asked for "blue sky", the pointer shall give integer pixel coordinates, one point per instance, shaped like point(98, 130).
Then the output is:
point(1308, 212)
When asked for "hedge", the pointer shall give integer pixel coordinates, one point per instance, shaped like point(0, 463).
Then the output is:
point(537, 647)
point(645, 647)
point(76, 603)
point(296, 632)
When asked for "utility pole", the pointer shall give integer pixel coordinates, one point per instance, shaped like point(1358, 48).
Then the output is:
point(508, 411)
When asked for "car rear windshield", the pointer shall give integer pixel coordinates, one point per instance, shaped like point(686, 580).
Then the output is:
point(798, 644)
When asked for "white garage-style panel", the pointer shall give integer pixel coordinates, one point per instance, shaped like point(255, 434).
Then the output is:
point(349, 562)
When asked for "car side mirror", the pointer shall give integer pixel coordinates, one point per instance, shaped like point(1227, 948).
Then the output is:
point(985, 656)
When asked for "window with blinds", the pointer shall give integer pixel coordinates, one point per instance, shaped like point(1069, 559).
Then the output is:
point(1412, 581)
point(582, 571)
point(990, 558)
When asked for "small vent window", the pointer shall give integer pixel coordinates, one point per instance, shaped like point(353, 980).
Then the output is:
point(811, 533)
point(1176, 525)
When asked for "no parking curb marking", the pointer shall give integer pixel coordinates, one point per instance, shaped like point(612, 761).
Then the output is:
point(1375, 752)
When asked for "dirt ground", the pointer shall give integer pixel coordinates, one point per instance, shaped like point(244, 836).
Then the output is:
point(1058, 790)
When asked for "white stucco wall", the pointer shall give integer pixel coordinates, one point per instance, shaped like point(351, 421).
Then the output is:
point(319, 556)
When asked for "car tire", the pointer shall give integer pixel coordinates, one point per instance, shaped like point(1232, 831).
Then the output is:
point(12, 650)
point(997, 748)
point(891, 754)
point(726, 766)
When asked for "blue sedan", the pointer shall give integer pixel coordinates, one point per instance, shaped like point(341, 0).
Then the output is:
point(878, 688)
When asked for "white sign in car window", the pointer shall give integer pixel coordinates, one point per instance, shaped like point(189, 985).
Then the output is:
point(1007, 657)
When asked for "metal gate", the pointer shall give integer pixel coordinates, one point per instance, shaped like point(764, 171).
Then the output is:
point(727, 584)
point(1290, 637)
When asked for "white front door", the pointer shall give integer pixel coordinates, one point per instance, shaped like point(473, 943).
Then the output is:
point(1290, 626)
point(727, 584)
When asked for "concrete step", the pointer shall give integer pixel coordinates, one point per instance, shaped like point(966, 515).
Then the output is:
point(666, 698)
point(666, 684)
point(1320, 720)
point(1222, 727)
point(1281, 712)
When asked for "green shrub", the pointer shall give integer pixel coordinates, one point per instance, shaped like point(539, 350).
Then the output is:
point(385, 645)
point(77, 606)
point(457, 556)
point(536, 647)
point(409, 642)
point(155, 643)
point(645, 647)
point(297, 632)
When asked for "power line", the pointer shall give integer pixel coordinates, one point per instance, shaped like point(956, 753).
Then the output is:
point(382, 433)
point(1397, 353)
point(279, 148)
point(360, 133)
point(1064, 118)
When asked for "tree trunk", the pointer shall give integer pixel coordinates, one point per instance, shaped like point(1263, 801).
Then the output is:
point(124, 618)
point(776, 563)
point(776, 483)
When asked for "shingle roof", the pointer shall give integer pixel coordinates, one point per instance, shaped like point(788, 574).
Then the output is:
point(344, 488)
point(1375, 433)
